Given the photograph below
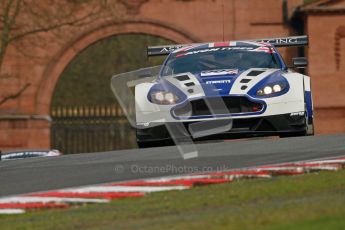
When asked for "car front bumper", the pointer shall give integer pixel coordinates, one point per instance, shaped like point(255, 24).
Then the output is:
point(241, 127)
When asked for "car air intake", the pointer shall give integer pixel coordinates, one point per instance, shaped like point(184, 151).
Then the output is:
point(254, 73)
point(234, 105)
point(245, 80)
point(182, 77)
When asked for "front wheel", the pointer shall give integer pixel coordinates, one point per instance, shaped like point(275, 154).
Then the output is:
point(308, 130)
point(310, 127)
point(151, 144)
point(145, 144)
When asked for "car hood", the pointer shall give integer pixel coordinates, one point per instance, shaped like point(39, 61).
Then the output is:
point(217, 82)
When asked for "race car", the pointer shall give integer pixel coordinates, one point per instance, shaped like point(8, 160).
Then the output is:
point(242, 87)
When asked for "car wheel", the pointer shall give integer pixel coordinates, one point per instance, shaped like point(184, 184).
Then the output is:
point(142, 145)
point(309, 130)
point(151, 144)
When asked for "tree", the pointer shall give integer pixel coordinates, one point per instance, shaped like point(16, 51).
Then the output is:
point(29, 19)
point(98, 63)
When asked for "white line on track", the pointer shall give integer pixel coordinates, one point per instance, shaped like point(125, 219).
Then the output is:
point(33, 199)
point(171, 178)
point(90, 189)
point(335, 161)
point(12, 211)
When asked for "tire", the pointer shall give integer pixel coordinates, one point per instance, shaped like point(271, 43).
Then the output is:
point(285, 135)
point(151, 144)
point(309, 123)
point(142, 145)
point(144, 141)
point(309, 130)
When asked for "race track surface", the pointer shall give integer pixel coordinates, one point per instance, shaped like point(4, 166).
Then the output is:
point(39, 174)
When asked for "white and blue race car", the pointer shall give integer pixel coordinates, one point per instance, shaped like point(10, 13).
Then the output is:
point(244, 82)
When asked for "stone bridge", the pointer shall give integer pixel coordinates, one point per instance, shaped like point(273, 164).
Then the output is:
point(30, 72)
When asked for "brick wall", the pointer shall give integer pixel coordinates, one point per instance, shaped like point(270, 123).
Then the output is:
point(326, 54)
point(180, 21)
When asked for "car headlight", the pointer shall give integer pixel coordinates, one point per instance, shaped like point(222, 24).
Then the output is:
point(164, 98)
point(271, 89)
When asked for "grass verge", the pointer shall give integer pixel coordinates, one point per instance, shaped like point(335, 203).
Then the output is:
point(313, 201)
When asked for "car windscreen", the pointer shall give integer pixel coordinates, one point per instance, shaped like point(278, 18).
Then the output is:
point(220, 58)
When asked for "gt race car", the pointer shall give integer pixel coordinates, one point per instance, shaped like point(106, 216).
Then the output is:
point(242, 87)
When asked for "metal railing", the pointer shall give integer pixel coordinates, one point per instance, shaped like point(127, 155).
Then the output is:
point(82, 129)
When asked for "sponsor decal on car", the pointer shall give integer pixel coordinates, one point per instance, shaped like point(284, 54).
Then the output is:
point(208, 50)
point(219, 82)
point(219, 72)
point(297, 114)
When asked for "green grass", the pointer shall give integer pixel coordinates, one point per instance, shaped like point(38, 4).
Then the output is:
point(314, 201)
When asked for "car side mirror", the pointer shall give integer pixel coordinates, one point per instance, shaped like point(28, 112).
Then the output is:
point(300, 62)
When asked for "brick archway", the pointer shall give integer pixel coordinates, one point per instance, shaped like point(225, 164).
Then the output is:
point(64, 57)
point(26, 122)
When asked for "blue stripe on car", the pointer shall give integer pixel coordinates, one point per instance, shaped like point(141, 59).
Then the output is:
point(309, 103)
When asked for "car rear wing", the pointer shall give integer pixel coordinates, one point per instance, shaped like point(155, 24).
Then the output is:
point(277, 42)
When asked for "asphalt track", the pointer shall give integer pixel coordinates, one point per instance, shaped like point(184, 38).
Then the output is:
point(39, 174)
